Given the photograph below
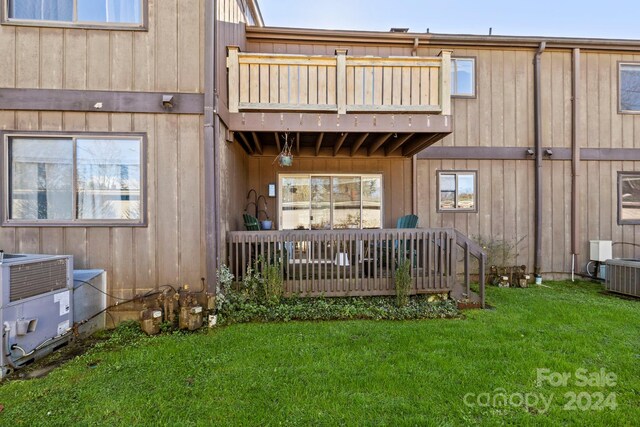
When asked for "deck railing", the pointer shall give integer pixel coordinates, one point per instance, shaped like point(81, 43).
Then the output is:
point(354, 262)
point(340, 83)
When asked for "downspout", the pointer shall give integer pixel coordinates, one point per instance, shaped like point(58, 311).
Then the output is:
point(255, 11)
point(575, 160)
point(538, 164)
point(211, 130)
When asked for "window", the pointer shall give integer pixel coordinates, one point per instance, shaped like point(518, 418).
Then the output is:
point(321, 202)
point(463, 77)
point(121, 13)
point(629, 84)
point(74, 179)
point(628, 197)
point(457, 191)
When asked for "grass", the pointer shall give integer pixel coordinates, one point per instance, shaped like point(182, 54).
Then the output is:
point(355, 372)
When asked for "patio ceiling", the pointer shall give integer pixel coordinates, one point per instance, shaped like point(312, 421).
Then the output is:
point(332, 144)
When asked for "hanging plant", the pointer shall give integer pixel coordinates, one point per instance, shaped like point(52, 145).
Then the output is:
point(285, 158)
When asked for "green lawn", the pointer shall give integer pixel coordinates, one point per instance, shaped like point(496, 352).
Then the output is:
point(359, 372)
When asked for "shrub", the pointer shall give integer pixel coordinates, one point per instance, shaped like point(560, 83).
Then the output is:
point(272, 283)
point(402, 282)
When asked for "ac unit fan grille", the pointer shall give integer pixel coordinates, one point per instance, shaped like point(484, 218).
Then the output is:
point(28, 280)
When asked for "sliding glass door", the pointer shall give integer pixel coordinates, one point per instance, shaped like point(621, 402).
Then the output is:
point(324, 202)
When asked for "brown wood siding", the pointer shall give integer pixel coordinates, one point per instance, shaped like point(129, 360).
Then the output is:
point(170, 250)
point(167, 57)
point(396, 176)
point(231, 32)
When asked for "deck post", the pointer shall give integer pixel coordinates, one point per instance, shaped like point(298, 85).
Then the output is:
point(234, 75)
point(445, 82)
point(341, 80)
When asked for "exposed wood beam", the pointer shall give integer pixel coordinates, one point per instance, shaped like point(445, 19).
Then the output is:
point(422, 143)
point(245, 142)
point(389, 149)
point(256, 141)
point(275, 135)
point(319, 142)
point(339, 142)
point(358, 143)
point(269, 121)
point(378, 143)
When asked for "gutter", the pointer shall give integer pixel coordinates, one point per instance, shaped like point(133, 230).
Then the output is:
point(538, 163)
point(211, 130)
point(304, 35)
point(575, 159)
point(255, 11)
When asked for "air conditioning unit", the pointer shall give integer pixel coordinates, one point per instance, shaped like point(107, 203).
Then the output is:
point(89, 300)
point(36, 307)
point(623, 276)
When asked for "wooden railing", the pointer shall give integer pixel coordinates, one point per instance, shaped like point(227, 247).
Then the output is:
point(470, 249)
point(350, 262)
point(339, 83)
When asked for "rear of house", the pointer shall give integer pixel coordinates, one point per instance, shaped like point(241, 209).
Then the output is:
point(134, 133)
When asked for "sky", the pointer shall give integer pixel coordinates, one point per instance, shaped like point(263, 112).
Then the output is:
point(618, 19)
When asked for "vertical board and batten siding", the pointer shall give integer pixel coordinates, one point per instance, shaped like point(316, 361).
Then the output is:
point(167, 57)
point(604, 127)
point(169, 249)
point(396, 177)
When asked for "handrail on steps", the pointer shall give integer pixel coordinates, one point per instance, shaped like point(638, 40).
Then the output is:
point(472, 248)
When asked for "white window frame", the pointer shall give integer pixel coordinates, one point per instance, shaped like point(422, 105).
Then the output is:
point(6, 137)
point(331, 175)
point(454, 77)
point(457, 173)
point(620, 65)
point(141, 26)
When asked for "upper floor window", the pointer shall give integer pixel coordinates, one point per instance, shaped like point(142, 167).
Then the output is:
point(457, 191)
point(628, 197)
point(463, 77)
point(74, 179)
point(120, 13)
point(629, 84)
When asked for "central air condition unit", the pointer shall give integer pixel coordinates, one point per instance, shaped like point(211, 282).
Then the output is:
point(623, 276)
point(36, 307)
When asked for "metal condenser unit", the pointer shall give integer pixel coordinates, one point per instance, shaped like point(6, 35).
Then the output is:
point(36, 313)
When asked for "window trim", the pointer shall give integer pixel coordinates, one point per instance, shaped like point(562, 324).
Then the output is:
point(330, 175)
point(621, 221)
point(619, 86)
point(475, 77)
point(475, 190)
point(87, 25)
point(5, 190)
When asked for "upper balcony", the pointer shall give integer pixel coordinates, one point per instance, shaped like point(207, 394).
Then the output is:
point(351, 104)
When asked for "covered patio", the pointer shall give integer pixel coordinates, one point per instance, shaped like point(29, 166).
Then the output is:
point(351, 127)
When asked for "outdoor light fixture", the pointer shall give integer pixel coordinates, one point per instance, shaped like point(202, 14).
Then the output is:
point(167, 101)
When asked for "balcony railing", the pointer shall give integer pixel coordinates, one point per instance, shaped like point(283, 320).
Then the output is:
point(357, 262)
point(339, 83)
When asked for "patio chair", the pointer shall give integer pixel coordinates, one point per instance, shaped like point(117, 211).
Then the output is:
point(407, 221)
point(401, 247)
point(251, 222)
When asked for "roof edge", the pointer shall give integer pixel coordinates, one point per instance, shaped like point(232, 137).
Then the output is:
point(389, 38)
